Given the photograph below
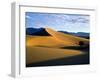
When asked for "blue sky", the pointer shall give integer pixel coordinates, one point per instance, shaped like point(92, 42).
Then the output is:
point(58, 22)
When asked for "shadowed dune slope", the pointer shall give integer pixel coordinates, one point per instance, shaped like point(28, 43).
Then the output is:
point(39, 54)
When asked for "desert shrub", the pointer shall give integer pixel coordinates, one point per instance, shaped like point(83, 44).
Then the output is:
point(81, 43)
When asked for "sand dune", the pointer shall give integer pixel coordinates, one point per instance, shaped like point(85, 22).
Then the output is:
point(41, 48)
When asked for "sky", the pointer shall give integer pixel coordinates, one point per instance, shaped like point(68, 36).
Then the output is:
point(58, 21)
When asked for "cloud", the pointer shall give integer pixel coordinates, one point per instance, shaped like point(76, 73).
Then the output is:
point(28, 17)
point(72, 18)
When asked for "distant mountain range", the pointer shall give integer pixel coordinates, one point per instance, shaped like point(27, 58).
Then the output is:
point(43, 32)
point(79, 34)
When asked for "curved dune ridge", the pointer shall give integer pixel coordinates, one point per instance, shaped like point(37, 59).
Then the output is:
point(43, 48)
point(66, 37)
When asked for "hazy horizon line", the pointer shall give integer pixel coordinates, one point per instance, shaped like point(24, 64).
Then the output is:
point(59, 30)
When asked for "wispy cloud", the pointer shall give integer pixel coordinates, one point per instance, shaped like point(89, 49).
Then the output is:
point(72, 18)
point(28, 17)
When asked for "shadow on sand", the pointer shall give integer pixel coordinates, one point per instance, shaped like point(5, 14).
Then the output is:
point(74, 60)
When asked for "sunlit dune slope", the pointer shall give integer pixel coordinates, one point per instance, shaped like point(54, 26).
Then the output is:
point(38, 54)
point(66, 37)
point(45, 41)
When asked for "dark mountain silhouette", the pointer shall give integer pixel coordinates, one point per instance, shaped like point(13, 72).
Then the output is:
point(82, 34)
point(37, 32)
point(79, 34)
